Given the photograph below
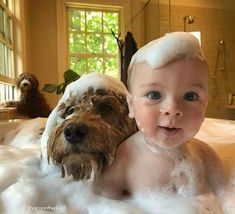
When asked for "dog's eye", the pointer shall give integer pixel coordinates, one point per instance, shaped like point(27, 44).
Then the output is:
point(105, 107)
point(69, 111)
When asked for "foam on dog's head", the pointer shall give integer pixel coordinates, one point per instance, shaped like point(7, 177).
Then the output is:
point(95, 80)
point(78, 88)
point(159, 52)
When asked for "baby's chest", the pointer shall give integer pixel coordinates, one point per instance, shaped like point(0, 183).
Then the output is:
point(186, 177)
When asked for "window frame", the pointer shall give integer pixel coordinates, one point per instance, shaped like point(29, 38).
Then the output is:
point(7, 77)
point(62, 38)
point(86, 55)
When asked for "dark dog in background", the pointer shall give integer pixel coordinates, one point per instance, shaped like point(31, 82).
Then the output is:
point(32, 103)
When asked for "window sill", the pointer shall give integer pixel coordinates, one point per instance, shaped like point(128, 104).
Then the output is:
point(230, 106)
point(8, 113)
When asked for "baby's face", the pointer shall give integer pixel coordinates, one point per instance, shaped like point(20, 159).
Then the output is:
point(169, 103)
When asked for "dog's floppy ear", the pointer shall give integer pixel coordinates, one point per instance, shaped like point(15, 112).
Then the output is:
point(34, 80)
point(107, 159)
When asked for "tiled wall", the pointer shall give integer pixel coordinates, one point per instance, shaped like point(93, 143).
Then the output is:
point(214, 25)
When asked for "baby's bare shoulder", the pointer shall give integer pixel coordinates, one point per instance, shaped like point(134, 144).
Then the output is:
point(215, 170)
point(201, 149)
point(204, 152)
point(130, 145)
point(113, 181)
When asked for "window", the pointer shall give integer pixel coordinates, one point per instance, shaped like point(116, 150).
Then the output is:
point(92, 47)
point(7, 74)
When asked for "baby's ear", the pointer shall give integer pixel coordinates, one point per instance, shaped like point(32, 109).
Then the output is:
point(129, 99)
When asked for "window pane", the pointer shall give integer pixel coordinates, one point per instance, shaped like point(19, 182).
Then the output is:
point(94, 43)
point(1, 21)
point(10, 5)
point(9, 29)
point(110, 22)
point(7, 92)
point(95, 64)
point(10, 63)
point(2, 59)
point(78, 65)
point(1, 92)
point(76, 20)
point(90, 39)
point(111, 65)
point(77, 43)
point(110, 44)
point(94, 23)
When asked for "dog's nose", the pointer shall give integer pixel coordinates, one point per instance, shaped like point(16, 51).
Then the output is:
point(75, 133)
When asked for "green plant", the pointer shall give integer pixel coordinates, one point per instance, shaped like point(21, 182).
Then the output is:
point(69, 76)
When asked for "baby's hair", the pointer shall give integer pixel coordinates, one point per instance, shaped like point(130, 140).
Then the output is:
point(172, 46)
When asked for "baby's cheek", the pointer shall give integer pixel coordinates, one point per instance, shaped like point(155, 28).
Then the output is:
point(198, 118)
point(144, 117)
point(148, 128)
point(194, 124)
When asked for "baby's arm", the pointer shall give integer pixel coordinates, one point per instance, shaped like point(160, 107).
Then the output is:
point(216, 173)
point(112, 182)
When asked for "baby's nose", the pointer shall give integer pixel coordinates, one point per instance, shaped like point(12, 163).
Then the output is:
point(172, 109)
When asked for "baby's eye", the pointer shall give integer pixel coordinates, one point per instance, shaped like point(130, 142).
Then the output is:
point(191, 96)
point(154, 95)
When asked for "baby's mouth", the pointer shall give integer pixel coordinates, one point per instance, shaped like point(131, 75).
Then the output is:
point(169, 131)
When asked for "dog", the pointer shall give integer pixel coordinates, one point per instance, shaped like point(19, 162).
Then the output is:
point(32, 103)
point(85, 128)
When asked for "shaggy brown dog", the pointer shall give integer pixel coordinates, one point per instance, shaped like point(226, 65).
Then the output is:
point(92, 128)
point(32, 104)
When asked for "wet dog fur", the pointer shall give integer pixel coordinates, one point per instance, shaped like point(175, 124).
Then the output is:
point(93, 126)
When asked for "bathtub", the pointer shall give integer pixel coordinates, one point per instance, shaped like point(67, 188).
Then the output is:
point(220, 134)
point(7, 125)
point(25, 189)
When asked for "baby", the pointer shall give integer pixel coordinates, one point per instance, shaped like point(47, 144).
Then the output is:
point(168, 85)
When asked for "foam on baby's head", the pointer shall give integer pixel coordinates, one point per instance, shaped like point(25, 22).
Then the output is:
point(172, 46)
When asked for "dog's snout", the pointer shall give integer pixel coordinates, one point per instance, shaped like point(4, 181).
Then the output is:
point(75, 133)
point(25, 84)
